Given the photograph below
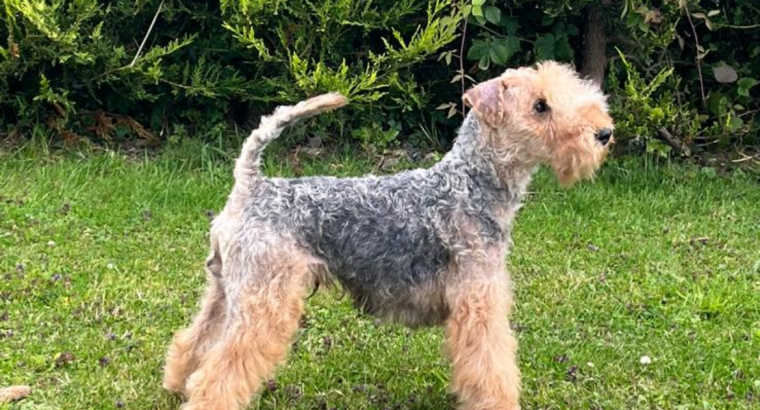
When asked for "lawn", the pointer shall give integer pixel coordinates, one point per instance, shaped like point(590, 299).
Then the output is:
point(101, 261)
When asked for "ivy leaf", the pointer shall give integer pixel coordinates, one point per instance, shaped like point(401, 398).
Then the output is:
point(716, 103)
point(725, 74)
point(735, 124)
point(747, 83)
point(544, 47)
point(572, 30)
point(512, 44)
point(493, 14)
point(559, 29)
point(744, 85)
point(477, 11)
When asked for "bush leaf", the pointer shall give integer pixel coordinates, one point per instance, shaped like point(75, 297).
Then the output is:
point(725, 74)
point(510, 24)
point(478, 49)
point(493, 14)
point(498, 53)
point(747, 83)
point(735, 124)
point(544, 47)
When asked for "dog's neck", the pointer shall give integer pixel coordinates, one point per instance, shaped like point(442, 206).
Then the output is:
point(502, 176)
point(503, 170)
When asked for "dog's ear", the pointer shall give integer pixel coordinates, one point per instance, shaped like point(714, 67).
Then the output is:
point(487, 100)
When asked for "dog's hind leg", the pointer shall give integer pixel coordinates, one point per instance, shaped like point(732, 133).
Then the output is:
point(189, 344)
point(264, 306)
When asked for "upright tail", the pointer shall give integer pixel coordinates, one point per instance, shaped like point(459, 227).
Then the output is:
point(247, 165)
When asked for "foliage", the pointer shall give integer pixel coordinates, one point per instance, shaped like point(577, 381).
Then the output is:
point(70, 65)
point(646, 106)
point(74, 65)
point(207, 67)
point(711, 48)
point(655, 49)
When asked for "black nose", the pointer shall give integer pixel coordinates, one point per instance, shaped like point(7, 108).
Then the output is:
point(604, 135)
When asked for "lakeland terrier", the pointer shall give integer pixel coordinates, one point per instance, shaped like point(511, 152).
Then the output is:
point(423, 247)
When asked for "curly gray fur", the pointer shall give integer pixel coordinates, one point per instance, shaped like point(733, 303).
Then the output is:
point(386, 238)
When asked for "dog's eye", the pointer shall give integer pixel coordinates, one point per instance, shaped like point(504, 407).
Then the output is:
point(541, 107)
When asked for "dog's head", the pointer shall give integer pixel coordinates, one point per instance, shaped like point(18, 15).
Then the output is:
point(545, 114)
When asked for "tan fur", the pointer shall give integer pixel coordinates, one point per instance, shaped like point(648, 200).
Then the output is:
point(563, 138)
point(190, 344)
point(479, 341)
point(253, 342)
point(13, 393)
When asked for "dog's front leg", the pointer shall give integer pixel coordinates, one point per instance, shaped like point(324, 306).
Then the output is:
point(479, 341)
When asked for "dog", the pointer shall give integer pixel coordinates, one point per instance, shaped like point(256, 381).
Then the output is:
point(424, 247)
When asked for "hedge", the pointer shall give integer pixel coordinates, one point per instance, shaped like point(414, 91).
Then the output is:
point(681, 73)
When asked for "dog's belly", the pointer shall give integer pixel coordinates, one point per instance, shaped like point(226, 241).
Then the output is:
point(393, 272)
point(416, 306)
point(391, 262)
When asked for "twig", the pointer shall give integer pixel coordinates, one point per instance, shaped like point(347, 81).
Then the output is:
point(746, 113)
point(461, 64)
point(750, 27)
point(678, 146)
point(744, 158)
point(139, 50)
point(697, 57)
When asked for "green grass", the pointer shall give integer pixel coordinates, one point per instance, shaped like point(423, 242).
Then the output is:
point(101, 257)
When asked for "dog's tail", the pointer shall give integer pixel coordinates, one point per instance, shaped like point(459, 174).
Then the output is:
point(247, 165)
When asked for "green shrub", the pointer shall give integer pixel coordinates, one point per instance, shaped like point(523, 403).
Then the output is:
point(72, 65)
point(687, 67)
point(69, 64)
point(363, 49)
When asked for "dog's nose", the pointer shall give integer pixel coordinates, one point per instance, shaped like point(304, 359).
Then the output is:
point(604, 135)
